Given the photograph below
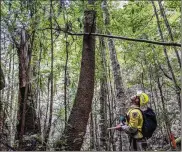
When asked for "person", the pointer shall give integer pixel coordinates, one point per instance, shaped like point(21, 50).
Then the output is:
point(134, 122)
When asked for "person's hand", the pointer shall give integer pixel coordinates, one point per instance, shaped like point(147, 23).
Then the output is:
point(124, 127)
point(118, 127)
point(122, 123)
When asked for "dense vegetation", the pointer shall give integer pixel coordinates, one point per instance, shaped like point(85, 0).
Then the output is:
point(68, 68)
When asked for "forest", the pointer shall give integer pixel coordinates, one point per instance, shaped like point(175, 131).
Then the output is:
point(68, 69)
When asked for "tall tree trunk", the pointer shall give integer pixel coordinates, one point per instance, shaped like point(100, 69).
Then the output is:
point(2, 81)
point(103, 99)
point(165, 113)
point(12, 99)
point(77, 122)
point(5, 127)
point(26, 113)
point(2, 136)
point(66, 67)
point(111, 113)
point(164, 110)
point(46, 112)
point(151, 89)
point(92, 138)
point(46, 138)
point(2, 85)
point(169, 30)
point(96, 127)
point(119, 88)
point(178, 89)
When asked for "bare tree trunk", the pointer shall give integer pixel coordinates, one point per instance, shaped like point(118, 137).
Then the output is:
point(165, 113)
point(164, 110)
point(2, 80)
point(12, 100)
point(112, 112)
point(46, 138)
point(151, 89)
point(23, 86)
point(119, 88)
point(26, 113)
point(65, 69)
point(178, 89)
point(2, 85)
point(77, 122)
point(5, 127)
point(169, 30)
point(92, 138)
point(38, 92)
point(103, 99)
point(2, 136)
point(96, 128)
point(46, 111)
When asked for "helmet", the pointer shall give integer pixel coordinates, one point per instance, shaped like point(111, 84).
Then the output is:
point(144, 99)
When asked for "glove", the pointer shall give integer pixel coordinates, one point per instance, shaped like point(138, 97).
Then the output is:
point(119, 127)
point(124, 127)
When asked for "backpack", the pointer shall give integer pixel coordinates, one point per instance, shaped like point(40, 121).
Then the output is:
point(149, 122)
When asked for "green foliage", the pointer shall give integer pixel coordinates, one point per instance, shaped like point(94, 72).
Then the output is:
point(135, 19)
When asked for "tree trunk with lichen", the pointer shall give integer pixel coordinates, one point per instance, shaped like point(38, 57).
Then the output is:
point(103, 99)
point(2, 134)
point(75, 130)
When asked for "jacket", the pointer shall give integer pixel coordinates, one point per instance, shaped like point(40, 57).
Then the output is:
point(135, 121)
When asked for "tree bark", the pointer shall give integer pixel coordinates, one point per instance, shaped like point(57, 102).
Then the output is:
point(96, 127)
point(66, 67)
point(2, 85)
point(163, 109)
point(165, 113)
point(2, 80)
point(103, 98)
point(119, 88)
point(92, 138)
point(111, 113)
point(12, 98)
point(46, 138)
point(77, 122)
point(26, 113)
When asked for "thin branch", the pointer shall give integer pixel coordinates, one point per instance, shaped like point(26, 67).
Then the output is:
point(117, 37)
point(129, 39)
point(165, 73)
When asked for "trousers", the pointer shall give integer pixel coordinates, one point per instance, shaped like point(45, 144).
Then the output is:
point(138, 144)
